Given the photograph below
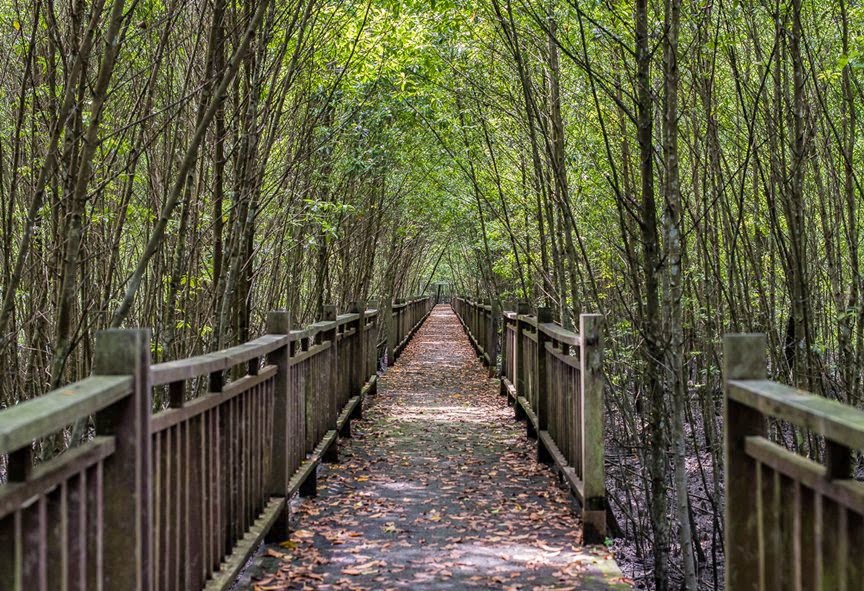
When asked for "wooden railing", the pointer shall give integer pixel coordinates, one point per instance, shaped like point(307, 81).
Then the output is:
point(791, 522)
point(554, 379)
point(179, 499)
point(481, 323)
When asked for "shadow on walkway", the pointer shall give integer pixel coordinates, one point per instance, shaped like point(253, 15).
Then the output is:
point(438, 489)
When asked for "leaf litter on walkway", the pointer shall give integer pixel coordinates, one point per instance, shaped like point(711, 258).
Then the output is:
point(438, 489)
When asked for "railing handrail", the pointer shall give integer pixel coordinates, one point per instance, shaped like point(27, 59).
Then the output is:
point(207, 363)
point(830, 418)
point(39, 417)
point(408, 302)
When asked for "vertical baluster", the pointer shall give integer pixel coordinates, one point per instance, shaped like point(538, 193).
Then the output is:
point(505, 349)
point(95, 519)
point(57, 534)
point(805, 557)
point(832, 536)
point(193, 532)
point(170, 502)
point(242, 447)
point(787, 533)
point(219, 470)
point(227, 437)
point(163, 498)
point(206, 521)
point(158, 495)
point(35, 533)
point(11, 549)
point(855, 542)
point(77, 532)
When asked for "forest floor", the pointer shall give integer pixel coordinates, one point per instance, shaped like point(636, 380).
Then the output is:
point(437, 489)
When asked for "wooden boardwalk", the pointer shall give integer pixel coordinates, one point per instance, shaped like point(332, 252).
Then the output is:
point(437, 489)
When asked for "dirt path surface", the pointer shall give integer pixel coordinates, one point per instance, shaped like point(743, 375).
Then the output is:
point(437, 489)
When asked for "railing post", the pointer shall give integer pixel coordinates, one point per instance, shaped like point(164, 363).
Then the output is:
point(504, 332)
point(397, 326)
point(522, 308)
point(744, 358)
point(389, 328)
point(372, 339)
point(358, 360)
point(127, 540)
point(593, 407)
point(492, 338)
point(279, 323)
point(544, 315)
point(331, 377)
point(475, 321)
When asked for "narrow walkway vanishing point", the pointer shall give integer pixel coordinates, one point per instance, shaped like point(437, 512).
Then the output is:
point(438, 489)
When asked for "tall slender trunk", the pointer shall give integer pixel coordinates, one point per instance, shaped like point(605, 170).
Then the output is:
point(673, 238)
point(652, 351)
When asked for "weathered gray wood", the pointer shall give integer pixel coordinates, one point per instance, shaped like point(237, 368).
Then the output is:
point(11, 551)
point(559, 333)
point(76, 567)
point(522, 308)
point(224, 577)
point(848, 493)
point(743, 359)
point(592, 436)
point(22, 423)
point(185, 369)
point(310, 352)
point(568, 473)
point(531, 417)
point(343, 422)
point(50, 474)
point(330, 377)
point(304, 480)
point(358, 361)
point(34, 534)
point(53, 545)
point(389, 329)
point(563, 357)
point(127, 489)
point(544, 315)
point(502, 320)
point(573, 409)
point(835, 420)
point(279, 322)
point(173, 416)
